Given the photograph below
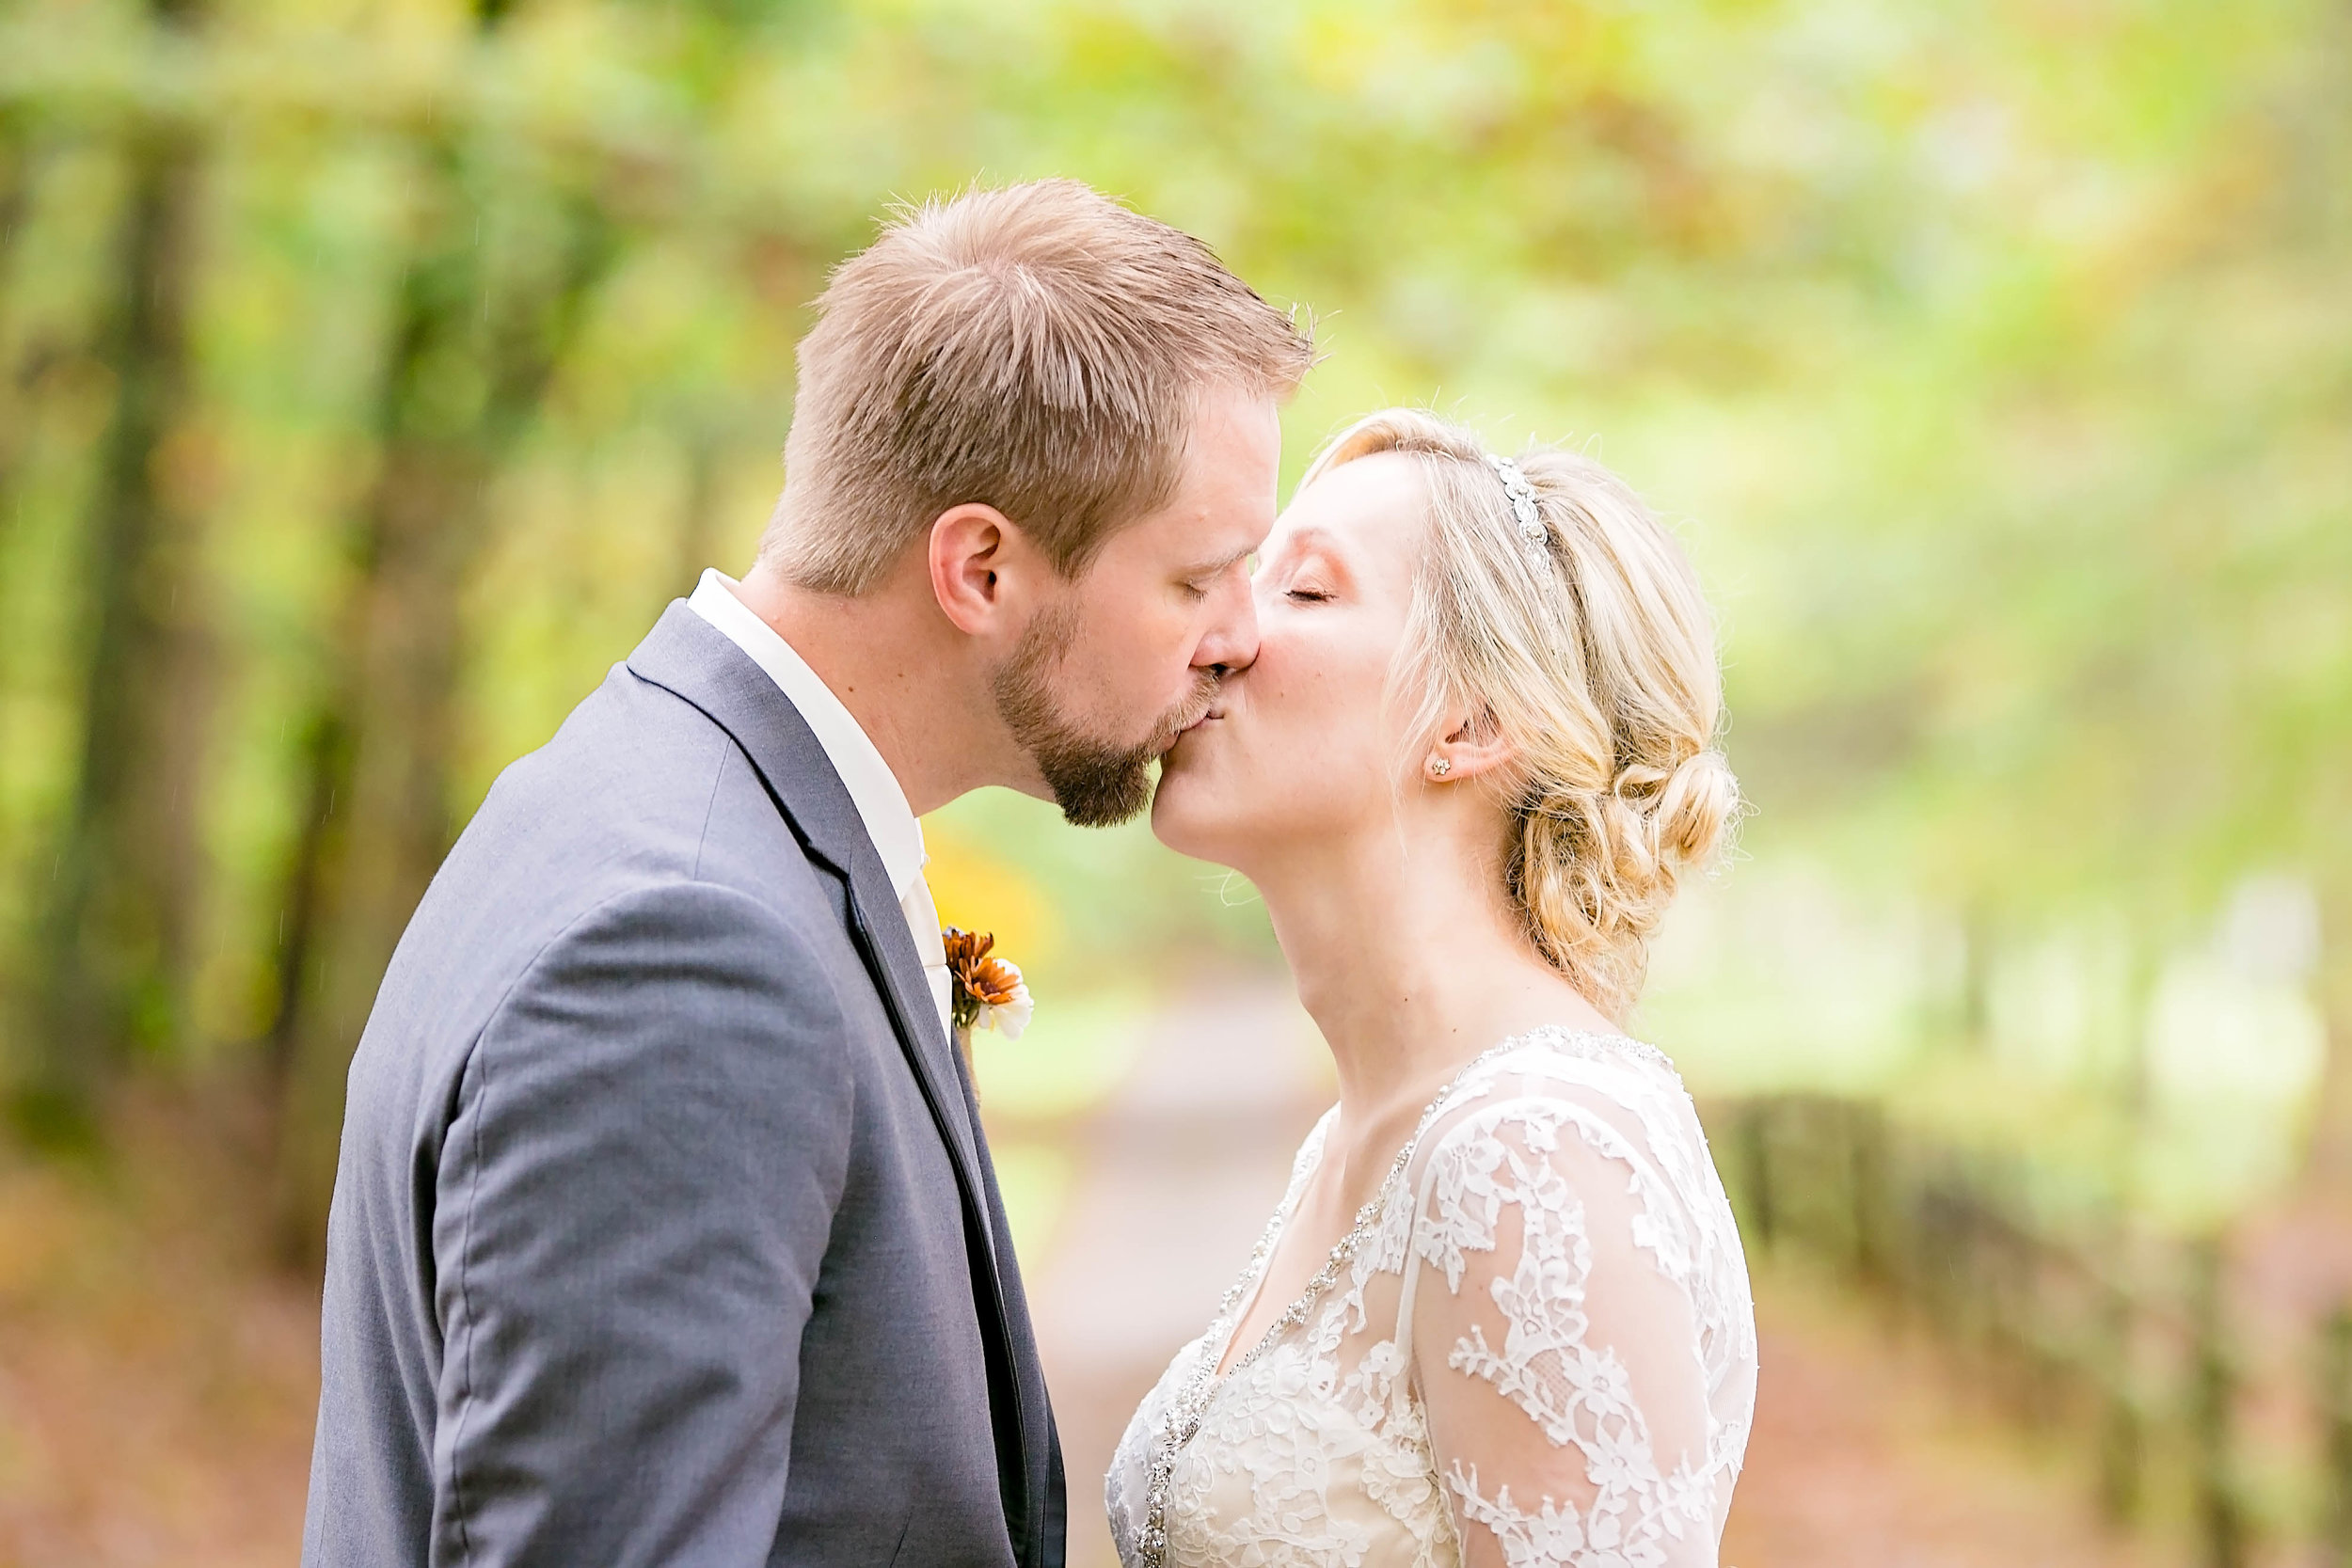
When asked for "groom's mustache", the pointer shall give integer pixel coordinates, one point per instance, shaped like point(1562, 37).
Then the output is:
point(1206, 687)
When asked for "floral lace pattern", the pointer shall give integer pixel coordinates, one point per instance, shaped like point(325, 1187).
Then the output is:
point(1544, 1357)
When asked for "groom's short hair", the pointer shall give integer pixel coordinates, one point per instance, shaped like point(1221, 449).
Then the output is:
point(1040, 349)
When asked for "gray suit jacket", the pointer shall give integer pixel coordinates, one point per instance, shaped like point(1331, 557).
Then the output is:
point(665, 1230)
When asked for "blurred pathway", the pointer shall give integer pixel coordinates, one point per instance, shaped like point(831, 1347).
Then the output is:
point(1867, 1453)
point(1176, 1175)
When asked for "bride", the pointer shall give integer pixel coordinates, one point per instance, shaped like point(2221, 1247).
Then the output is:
point(1501, 1317)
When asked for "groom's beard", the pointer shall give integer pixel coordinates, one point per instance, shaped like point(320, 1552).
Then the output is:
point(1097, 783)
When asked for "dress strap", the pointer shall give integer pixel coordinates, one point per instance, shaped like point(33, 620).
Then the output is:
point(1411, 1283)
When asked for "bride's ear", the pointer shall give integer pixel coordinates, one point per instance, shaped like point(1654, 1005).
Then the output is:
point(1471, 745)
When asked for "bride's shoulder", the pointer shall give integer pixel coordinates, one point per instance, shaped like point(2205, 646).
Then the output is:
point(1592, 1080)
point(1556, 1060)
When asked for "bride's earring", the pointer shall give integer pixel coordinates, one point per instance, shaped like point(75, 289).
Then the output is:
point(1439, 767)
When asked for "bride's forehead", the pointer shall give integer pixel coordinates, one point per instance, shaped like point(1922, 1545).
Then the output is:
point(1370, 504)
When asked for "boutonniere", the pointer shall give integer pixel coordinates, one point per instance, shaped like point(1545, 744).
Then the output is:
point(988, 992)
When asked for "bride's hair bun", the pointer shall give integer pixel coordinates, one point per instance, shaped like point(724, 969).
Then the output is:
point(1593, 652)
point(1699, 800)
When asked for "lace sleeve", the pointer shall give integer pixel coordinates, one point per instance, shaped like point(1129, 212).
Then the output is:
point(1556, 1342)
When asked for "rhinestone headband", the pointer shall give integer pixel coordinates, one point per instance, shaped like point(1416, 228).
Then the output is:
point(1522, 495)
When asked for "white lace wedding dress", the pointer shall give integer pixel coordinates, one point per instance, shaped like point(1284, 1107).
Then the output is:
point(1536, 1348)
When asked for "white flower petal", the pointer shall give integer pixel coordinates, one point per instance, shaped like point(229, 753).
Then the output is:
point(1011, 1017)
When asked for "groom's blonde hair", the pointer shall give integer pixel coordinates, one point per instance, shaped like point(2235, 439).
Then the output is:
point(1592, 654)
point(1040, 349)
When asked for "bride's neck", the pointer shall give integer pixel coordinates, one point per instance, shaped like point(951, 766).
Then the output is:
point(1407, 957)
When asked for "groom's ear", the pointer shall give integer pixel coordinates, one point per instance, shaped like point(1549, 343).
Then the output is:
point(971, 546)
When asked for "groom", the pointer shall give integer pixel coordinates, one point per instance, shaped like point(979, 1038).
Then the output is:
point(665, 1231)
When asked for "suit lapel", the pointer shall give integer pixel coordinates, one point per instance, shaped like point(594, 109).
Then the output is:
point(687, 656)
point(1043, 1517)
point(880, 926)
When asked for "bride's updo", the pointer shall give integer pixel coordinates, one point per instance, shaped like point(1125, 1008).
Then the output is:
point(1593, 653)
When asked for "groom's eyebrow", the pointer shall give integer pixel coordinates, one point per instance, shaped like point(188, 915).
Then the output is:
point(1211, 568)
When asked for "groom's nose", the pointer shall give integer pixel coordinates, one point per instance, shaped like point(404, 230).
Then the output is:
point(1232, 640)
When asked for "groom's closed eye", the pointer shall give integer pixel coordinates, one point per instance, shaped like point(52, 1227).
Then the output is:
point(1199, 579)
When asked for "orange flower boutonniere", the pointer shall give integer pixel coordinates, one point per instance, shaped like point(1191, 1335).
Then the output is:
point(989, 993)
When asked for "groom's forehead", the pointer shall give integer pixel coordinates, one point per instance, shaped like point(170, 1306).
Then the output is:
point(1192, 541)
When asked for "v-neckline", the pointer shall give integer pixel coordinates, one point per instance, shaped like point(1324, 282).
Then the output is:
point(1276, 1229)
point(1225, 1363)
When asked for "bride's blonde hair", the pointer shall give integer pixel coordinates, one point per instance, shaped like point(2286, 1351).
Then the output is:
point(1592, 654)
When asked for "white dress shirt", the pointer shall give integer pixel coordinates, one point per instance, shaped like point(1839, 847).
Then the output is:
point(881, 804)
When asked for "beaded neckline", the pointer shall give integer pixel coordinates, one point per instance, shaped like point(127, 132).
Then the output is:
point(1191, 1407)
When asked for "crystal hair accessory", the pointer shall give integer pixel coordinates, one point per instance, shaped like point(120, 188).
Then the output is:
point(1522, 495)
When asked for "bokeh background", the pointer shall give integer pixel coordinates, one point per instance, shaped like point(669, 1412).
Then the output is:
point(372, 375)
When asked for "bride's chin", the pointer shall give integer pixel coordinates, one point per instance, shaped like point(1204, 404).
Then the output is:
point(1178, 817)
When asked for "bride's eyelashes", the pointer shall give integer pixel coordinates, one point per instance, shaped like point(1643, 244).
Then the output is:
point(1307, 595)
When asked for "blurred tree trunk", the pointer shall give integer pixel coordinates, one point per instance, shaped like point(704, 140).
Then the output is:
point(16, 197)
point(698, 519)
point(116, 931)
point(24, 363)
point(1979, 956)
point(2329, 1171)
point(15, 187)
point(380, 747)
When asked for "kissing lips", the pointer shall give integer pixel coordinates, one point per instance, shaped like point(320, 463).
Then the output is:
point(1207, 717)
point(1178, 727)
point(1176, 737)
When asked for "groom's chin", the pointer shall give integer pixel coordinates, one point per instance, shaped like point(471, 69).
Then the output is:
point(1105, 792)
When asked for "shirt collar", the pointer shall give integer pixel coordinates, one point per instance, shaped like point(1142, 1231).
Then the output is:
point(881, 804)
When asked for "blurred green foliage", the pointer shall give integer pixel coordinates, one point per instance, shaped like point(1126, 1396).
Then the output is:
point(1994, 359)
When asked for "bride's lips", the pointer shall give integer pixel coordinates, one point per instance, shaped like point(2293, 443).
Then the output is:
point(1211, 716)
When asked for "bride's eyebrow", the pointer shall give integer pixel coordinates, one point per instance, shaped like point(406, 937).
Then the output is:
point(1314, 546)
point(1304, 542)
